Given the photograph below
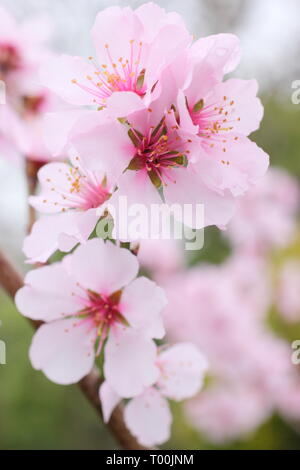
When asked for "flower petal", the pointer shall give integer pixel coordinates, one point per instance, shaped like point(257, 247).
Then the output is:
point(149, 419)
point(183, 368)
point(103, 267)
point(129, 364)
point(109, 400)
point(64, 352)
point(142, 303)
point(64, 74)
point(49, 293)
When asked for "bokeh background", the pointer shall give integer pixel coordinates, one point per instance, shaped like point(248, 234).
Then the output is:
point(37, 414)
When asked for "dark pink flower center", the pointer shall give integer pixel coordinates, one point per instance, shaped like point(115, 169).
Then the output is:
point(103, 310)
point(101, 313)
point(32, 104)
point(9, 59)
point(159, 152)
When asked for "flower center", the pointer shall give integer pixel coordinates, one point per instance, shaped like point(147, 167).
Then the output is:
point(32, 104)
point(9, 59)
point(214, 122)
point(81, 190)
point(102, 312)
point(123, 74)
point(159, 152)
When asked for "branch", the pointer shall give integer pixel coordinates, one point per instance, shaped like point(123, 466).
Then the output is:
point(11, 281)
point(32, 168)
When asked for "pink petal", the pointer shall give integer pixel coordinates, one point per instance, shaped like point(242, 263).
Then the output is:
point(222, 51)
point(64, 352)
point(108, 139)
point(183, 368)
point(58, 74)
point(149, 419)
point(142, 303)
point(109, 400)
point(103, 267)
point(122, 103)
point(57, 129)
point(246, 112)
point(129, 364)
point(190, 189)
point(115, 27)
point(247, 164)
point(48, 294)
point(54, 180)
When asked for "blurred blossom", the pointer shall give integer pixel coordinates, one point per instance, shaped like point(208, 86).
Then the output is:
point(22, 51)
point(161, 257)
point(225, 316)
point(226, 413)
point(288, 291)
point(266, 217)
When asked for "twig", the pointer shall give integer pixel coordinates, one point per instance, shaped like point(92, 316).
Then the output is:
point(32, 168)
point(11, 281)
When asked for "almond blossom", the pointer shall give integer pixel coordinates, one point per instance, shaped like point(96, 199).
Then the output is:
point(133, 47)
point(151, 157)
point(287, 295)
point(22, 51)
point(160, 151)
point(70, 196)
point(92, 302)
point(266, 217)
point(148, 416)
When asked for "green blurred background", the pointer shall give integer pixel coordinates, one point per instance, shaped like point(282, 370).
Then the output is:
point(37, 414)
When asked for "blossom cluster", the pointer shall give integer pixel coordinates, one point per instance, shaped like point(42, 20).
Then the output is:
point(151, 118)
point(230, 310)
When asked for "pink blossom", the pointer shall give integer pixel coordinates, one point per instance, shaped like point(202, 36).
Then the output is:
point(148, 416)
point(266, 217)
point(224, 114)
point(153, 150)
point(21, 47)
point(151, 153)
point(161, 257)
point(226, 413)
point(70, 195)
point(88, 299)
point(22, 51)
point(132, 49)
point(288, 291)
